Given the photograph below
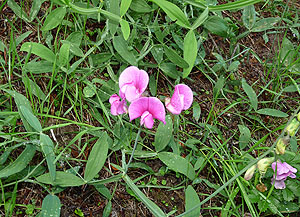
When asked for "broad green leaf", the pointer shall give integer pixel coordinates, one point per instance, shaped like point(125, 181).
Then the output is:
point(191, 200)
point(63, 179)
point(103, 190)
point(35, 8)
point(22, 100)
point(20, 163)
point(288, 52)
point(152, 85)
point(124, 7)
point(114, 8)
point(121, 47)
point(217, 25)
point(75, 38)
point(22, 37)
point(125, 28)
point(39, 50)
point(156, 211)
point(30, 118)
point(196, 111)
point(157, 52)
point(174, 12)
point(96, 158)
point(245, 136)
point(48, 150)
point(265, 24)
point(233, 66)
point(54, 19)
point(201, 19)
point(163, 134)
point(170, 70)
point(39, 67)
point(272, 112)
point(189, 52)
point(107, 209)
point(89, 91)
point(51, 206)
point(18, 10)
point(175, 58)
point(218, 86)
point(74, 48)
point(140, 6)
point(177, 163)
point(227, 6)
point(249, 16)
point(250, 93)
point(64, 54)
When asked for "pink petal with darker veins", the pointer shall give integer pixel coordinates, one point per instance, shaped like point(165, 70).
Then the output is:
point(176, 103)
point(147, 119)
point(157, 109)
point(138, 107)
point(187, 93)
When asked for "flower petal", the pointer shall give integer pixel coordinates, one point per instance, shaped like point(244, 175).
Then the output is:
point(187, 93)
point(176, 104)
point(138, 107)
point(147, 119)
point(114, 98)
point(279, 184)
point(132, 93)
point(157, 109)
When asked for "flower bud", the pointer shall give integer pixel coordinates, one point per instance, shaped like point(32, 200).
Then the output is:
point(250, 172)
point(264, 163)
point(292, 127)
point(281, 144)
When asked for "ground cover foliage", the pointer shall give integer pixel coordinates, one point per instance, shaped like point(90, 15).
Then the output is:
point(62, 152)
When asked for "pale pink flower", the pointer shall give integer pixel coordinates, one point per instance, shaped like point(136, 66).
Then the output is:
point(284, 170)
point(182, 99)
point(117, 107)
point(148, 108)
point(133, 82)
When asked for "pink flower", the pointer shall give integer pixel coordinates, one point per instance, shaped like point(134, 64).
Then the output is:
point(117, 107)
point(133, 82)
point(284, 170)
point(181, 100)
point(147, 108)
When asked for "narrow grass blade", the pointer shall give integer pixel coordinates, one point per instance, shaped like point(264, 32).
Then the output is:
point(156, 211)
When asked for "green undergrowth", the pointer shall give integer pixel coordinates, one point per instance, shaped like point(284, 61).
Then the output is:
point(61, 60)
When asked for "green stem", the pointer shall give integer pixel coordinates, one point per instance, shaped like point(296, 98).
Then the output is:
point(134, 147)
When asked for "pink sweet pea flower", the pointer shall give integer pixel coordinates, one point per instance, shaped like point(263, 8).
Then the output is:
point(181, 100)
point(284, 170)
point(117, 107)
point(133, 82)
point(147, 108)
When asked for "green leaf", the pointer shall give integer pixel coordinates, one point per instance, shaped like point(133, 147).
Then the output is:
point(48, 150)
point(107, 209)
point(20, 163)
point(157, 52)
point(39, 50)
point(175, 58)
point(155, 210)
point(152, 85)
point(272, 112)
point(189, 52)
point(245, 136)
point(218, 86)
point(30, 118)
point(22, 37)
point(54, 19)
point(227, 6)
point(217, 25)
point(249, 16)
point(191, 200)
point(35, 8)
point(140, 6)
point(121, 47)
point(64, 54)
point(124, 7)
point(51, 206)
point(287, 52)
point(177, 163)
point(18, 10)
point(163, 134)
point(125, 28)
point(196, 111)
point(265, 24)
point(288, 195)
point(34, 88)
point(174, 12)
point(114, 8)
point(201, 19)
point(63, 179)
point(74, 48)
point(250, 93)
point(96, 158)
